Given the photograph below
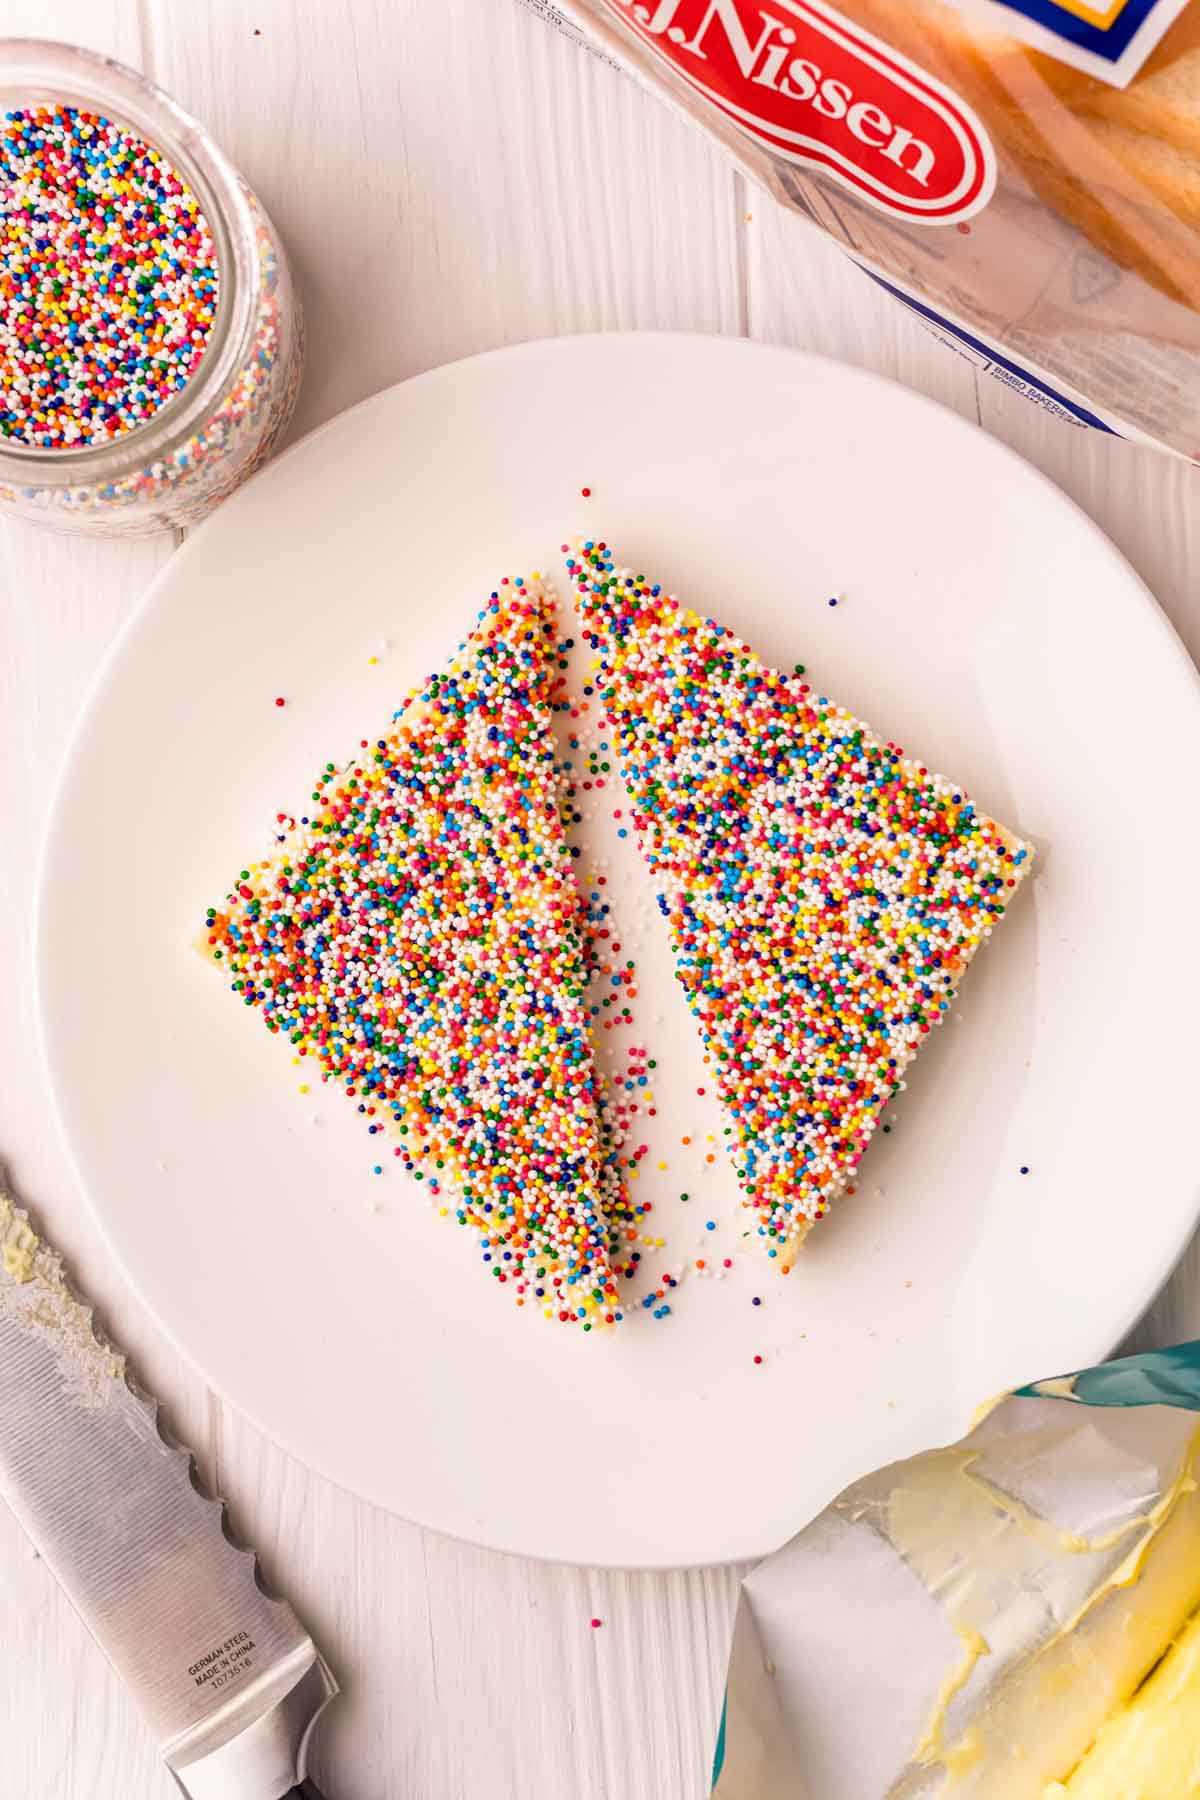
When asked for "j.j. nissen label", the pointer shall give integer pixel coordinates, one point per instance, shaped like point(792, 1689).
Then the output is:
point(816, 89)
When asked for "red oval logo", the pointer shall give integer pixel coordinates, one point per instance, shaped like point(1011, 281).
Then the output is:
point(819, 91)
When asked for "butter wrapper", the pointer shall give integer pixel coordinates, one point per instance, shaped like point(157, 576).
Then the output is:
point(962, 1624)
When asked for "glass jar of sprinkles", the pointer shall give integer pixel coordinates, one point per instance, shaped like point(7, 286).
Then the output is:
point(150, 336)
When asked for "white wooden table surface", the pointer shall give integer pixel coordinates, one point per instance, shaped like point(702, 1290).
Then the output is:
point(447, 177)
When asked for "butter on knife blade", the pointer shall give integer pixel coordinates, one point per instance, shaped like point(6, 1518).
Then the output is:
point(225, 1675)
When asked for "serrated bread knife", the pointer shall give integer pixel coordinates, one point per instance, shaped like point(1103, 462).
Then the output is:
point(227, 1678)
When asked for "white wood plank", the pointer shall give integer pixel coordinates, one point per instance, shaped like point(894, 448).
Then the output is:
point(114, 27)
point(67, 1727)
point(804, 291)
point(61, 603)
point(477, 1675)
point(1148, 503)
point(452, 177)
point(447, 178)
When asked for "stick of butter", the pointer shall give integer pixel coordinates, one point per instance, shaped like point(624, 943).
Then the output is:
point(1150, 1749)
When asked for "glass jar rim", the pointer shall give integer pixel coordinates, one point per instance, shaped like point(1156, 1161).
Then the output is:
point(36, 70)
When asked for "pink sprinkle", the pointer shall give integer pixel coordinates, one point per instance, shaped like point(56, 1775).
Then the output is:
point(596, 1623)
point(280, 701)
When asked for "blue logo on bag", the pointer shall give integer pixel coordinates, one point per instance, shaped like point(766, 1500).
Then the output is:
point(1106, 30)
point(1110, 39)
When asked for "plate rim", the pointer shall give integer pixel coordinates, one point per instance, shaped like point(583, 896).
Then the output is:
point(150, 597)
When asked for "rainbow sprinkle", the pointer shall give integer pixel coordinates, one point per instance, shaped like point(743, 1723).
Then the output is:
point(824, 894)
point(108, 279)
point(423, 937)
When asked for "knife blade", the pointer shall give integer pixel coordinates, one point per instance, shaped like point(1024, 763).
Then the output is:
point(224, 1673)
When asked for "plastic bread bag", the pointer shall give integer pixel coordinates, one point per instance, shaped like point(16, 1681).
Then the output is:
point(990, 1621)
point(1023, 174)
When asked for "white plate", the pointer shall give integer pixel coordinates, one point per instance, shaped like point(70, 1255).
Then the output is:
point(984, 623)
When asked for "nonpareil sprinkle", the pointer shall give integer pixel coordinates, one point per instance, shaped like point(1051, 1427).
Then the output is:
point(823, 893)
point(422, 935)
point(109, 284)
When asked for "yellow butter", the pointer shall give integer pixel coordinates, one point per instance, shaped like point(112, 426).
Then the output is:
point(1150, 1748)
